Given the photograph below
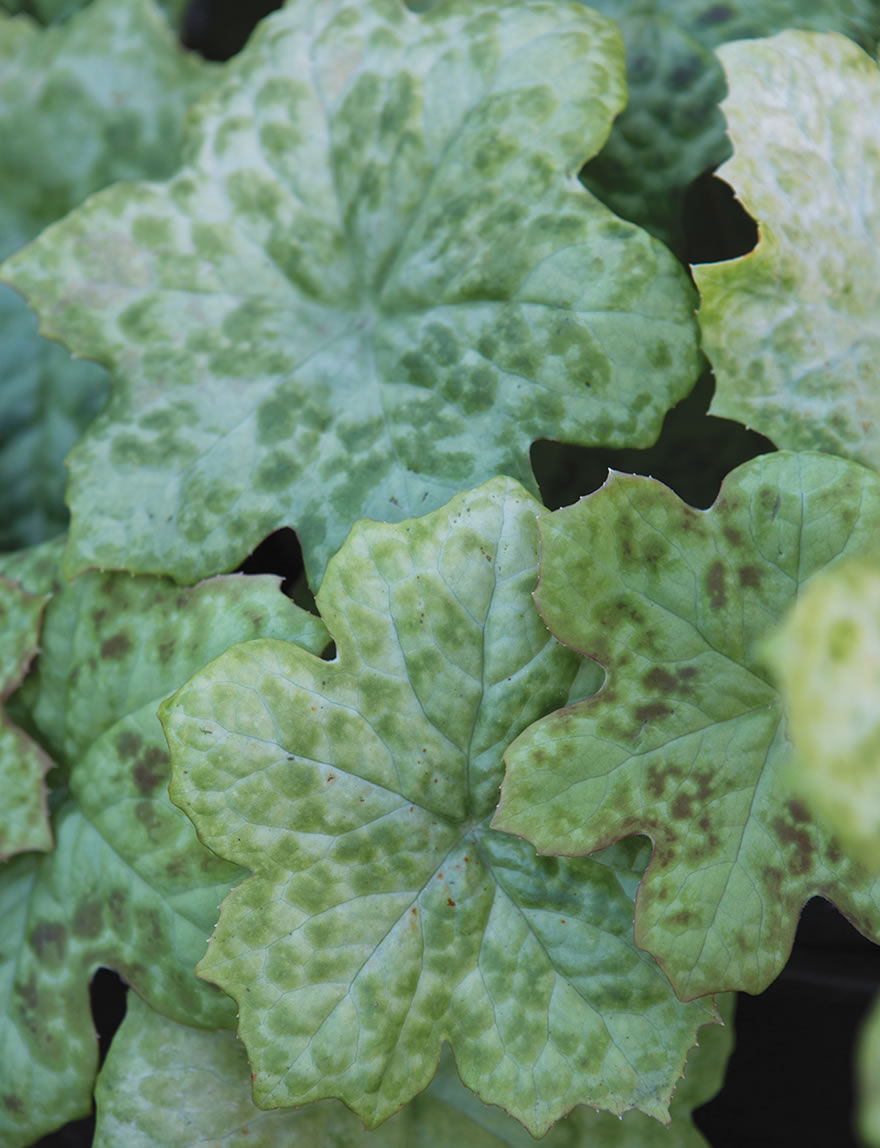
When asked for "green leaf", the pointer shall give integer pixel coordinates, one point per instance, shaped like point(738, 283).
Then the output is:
point(57, 11)
point(827, 658)
point(165, 1085)
point(128, 887)
point(99, 100)
point(24, 822)
point(672, 130)
point(375, 283)
point(385, 915)
point(790, 327)
point(686, 740)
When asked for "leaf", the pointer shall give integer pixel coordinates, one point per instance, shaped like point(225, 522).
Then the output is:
point(165, 1085)
point(324, 315)
point(57, 11)
point(827, 659)
point(98, 100)
point(686, 740)
point(24, 823)
point(385, 916)
point(128, 887)
point(790, 327)
point(671, 130)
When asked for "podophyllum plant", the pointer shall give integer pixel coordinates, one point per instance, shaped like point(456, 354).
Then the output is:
point(426, 816)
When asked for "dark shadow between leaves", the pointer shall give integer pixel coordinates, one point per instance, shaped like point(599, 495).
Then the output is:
point(790, 1079)
point(716, 225)
point(692, 455)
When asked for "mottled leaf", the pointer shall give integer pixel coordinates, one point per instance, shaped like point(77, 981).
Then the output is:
point(128, 886)
point(791, 327)
point(374, 284)
point(385, 915)
point(101, 99)
point(165, 1085)
point(57, 11)
point(672, 130)
point(827, 658)
point(686, 740)
point(24, 820)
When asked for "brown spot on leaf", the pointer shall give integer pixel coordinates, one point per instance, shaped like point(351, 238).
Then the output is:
point(651, 711)
point(703, 779)
point(450, 902)
point(798, 811)
point(88, 920)
point(798, 841)
point(732, 535)
point(128, 743)
point(149, 924)
point(660, 679)
point(12, 1104)
point(773, 879)
point(749, 576)
point(715, 586)
point(116, 905)
point(150, 768)
point(112, 649)
point(682, 917)
point(682, 807)
point(49, 940)
point(657, 778)
point(166, 649)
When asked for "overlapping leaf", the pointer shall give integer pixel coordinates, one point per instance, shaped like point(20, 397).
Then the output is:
point(827, 657)
point(165, 1085)
point(101, 99)
point(791, 328)
point(128, 886)
point(671, 130)
point(385, 916)
point(686, 740)
point(24, 820)
point(376, 283)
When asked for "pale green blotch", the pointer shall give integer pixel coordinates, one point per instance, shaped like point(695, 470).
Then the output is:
point(827, 659)
point(384, 915)
point(128, 886)
point(165, 1084)
point(24, 822)
point(791, 327)
point(331, 287)
point(686, 741)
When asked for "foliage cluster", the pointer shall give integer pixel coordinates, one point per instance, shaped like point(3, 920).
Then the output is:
point(490, 803)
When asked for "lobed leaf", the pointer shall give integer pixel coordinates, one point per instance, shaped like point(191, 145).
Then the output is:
point(686, 740)
point(98, 100)
point(790, 328)
point(375, 282)
point(385, 916)
point(671, 130)
point(24, 824)
point(166, 1085)
point(128, 886)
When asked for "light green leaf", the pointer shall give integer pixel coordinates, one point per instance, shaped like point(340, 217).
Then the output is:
point(101, 99)
point(827, 658)
point(165, 1085)
point(385, 916)
point(672, 130)
point(376, 282)
point(791, 327)
point(128, 887)
point(24, 822)
point(57, 11)
point(686, 740)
